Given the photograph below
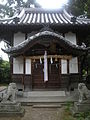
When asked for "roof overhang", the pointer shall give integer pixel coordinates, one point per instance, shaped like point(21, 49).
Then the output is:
point(34, 39)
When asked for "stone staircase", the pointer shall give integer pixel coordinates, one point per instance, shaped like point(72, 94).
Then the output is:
point(44, 94)
point(46, 97)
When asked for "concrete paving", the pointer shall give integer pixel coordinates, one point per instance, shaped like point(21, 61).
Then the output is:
point(38, 114)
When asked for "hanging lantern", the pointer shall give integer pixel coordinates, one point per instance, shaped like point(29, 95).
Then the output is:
point(40, 60)
point(51, 60)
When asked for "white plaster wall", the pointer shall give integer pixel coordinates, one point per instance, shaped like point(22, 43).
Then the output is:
point(71, 37)
point(63, 66)
point(18, 65)
point(73, 65)
point(18, 38)
point(28, 66)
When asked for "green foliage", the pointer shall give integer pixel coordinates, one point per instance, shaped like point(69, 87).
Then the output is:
point(11, 6)
point(88, 62)
point(4, 71)
point(79, 7)
point(87, 8)
point(69, 118)
point(84, 72)
point(80, 116)
point(68, 106)
point(83, 116)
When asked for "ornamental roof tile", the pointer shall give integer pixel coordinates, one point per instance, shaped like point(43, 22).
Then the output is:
point(44, 16)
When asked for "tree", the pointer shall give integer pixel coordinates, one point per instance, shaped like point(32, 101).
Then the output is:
point(87, 8)
point(76, 7)
point(79, 7)
point(9, 9)
point(4, 71)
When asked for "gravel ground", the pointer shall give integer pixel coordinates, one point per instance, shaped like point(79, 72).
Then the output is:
point(38, 114)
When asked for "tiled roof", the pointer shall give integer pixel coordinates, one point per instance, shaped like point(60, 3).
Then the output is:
point(42, 16)
point(15, 50)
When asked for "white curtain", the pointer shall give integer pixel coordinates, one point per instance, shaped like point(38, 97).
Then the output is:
point(45, 67)
point(28, 66)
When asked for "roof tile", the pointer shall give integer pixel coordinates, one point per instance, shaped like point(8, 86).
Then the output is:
point(39, 15)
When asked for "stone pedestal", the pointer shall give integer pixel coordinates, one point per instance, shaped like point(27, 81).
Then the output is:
point(80, 107)
point(11, 109)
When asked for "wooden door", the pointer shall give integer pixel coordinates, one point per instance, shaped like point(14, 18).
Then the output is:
point(38, 75)
point(54, 75)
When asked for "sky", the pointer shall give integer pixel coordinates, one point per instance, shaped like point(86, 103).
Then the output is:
point(52, 4)
point(2, 54)
point(48, 4)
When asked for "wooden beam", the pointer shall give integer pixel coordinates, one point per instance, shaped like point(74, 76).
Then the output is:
point(66, 57)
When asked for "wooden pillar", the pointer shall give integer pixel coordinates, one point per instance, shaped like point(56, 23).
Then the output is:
point(11, 66)
point(68, 66)
point(69, 75)
point(79, 64)
point(79, 69)
point(23, 73)
point(60, 70)
point(31, 86)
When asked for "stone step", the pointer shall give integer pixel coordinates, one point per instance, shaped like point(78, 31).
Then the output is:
point(41, 97)
point(47, 106)
point(44, 93)
point(44, 100)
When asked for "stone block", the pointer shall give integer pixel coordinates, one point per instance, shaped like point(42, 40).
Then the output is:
point(82, 107)
point(11, 109)
point(79, 108)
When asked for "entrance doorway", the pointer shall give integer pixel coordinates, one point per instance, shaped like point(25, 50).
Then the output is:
point(53, 75)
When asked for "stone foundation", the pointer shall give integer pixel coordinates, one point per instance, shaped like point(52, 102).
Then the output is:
point(80, 107)
point(11, 109)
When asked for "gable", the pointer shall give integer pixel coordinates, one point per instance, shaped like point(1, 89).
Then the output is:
point(31, 41)
point(71, 37)
point(18, 38)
